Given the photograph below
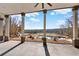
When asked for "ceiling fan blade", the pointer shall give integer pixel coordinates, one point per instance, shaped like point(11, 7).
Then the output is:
point(42, 5)
point(36, 4)
point(49, 4)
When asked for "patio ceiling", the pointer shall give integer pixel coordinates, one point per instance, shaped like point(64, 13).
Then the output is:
point(16, 8)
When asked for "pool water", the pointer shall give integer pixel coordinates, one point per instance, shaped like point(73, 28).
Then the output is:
point(51, 37)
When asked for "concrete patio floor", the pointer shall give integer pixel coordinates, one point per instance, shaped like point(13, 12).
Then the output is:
point(11, 48)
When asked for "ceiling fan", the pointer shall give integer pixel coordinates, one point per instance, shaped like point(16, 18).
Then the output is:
point(43, 5)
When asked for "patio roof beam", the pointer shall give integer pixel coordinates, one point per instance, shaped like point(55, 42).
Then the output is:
point(40, 10)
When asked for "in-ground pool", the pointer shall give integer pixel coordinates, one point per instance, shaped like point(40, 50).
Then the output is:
point(52, 37)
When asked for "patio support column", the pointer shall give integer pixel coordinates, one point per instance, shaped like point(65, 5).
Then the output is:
point(22, 36)
point(23, 17)
point(44, 38)
point(5, 28)
point(75, 27)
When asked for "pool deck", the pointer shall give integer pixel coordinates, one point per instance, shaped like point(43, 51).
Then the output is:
point(13, 48)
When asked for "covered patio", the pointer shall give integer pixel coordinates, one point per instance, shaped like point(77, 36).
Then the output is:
point(8, 9)
point(14, 48)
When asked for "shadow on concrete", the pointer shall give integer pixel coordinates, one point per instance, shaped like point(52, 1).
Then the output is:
point(45, 47)
point(10, 49)
point(46, 51)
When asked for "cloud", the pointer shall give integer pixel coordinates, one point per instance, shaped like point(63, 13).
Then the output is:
point(32, 14)
point(34, 20)
point(27, 22)
point(63, 11)
point(16, 17)
point(68, 16)
point(60, 22)
point(52, 13)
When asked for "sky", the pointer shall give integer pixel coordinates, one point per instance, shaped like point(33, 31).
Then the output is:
point(54, 19)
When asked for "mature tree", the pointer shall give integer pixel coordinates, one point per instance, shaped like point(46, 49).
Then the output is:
point(69, 27)
point(16, 26)
point(62, 27)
